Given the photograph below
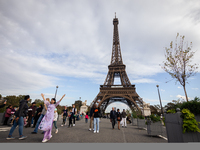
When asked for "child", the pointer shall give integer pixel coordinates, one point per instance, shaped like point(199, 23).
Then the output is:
point(70, 118)
point(55, 119)
point(86, 117)
point(47, 121)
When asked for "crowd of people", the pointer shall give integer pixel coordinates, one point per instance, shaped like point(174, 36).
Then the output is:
point(45, 117)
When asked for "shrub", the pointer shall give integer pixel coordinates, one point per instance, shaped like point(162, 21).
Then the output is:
point(193, 106)
point(171, 111)
point(134, 114)
point(189, 121)
point(140, 116)
point(155, 118)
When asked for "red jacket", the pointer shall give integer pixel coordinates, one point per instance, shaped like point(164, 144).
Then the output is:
point(8, 112)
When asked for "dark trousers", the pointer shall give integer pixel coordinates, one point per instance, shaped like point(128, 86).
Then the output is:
point(113, 122)
point(74, 118)
point(6, 120)
point(29, 121)
point(70, 121)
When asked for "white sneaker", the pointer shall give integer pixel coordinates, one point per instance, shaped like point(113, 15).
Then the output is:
point(45, 140)
point(56, 131)
point(51, 136)
point(97, 131)
point(65, 124)
point(89, 129)
point(73, 124)
point(61, 125)
point(94, 131)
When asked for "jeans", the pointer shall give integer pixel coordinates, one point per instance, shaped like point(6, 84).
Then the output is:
point(54, 122)
point(64, 119)
point(38, 123)
point(113, 123)
point(20, 122)
point(96, 122)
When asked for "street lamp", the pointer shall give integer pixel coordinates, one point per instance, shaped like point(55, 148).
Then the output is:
point(160, 99)
point(56, 91)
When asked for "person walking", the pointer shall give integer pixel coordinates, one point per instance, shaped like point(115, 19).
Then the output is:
point(113, 117)
point(65, 114)
point(44, 110)
point(31, 114)
point(96, 115)
point(70, 118)
point(91, 118)
point(86, 117)
point(7, 114)
point(20, 114)
point(47, 121)
point(124, 118)
point(74, 111)
point(37, 115)
point(55, 118)
point(119, 118)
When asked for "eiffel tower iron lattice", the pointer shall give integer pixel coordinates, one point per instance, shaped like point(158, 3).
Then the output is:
point(109, 92)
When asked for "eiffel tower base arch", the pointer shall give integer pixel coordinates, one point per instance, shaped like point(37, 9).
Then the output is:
point(110, 94)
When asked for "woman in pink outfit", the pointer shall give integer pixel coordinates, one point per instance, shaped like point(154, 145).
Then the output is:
point(47, 121)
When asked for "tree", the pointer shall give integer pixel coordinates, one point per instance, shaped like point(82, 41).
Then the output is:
point(38, 102)
point(173, 105)
point(178, 59)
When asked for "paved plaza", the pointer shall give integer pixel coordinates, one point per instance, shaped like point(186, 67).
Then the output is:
point(81, 134)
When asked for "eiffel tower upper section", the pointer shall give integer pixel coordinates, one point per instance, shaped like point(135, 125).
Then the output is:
point(116, 67)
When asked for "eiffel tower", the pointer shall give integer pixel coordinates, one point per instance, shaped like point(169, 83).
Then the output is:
point(125, 92)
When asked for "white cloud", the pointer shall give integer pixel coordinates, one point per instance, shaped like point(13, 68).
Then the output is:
point(196, 89)
point(182, 97)
point(179, 87)
point(39, 42)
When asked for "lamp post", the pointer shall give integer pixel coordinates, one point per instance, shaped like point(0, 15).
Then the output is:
point(56, 91)
point(160, 99)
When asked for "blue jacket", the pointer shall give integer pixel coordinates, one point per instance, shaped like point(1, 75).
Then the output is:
point(111, 114)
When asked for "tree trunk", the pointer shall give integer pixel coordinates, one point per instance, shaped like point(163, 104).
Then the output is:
point(185, 93)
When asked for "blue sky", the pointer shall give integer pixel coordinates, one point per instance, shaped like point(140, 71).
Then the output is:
point(68, 43)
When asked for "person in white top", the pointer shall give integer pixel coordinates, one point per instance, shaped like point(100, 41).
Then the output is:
point(74, 111)
point(55, 118)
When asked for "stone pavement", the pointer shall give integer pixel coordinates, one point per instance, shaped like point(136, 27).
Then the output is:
point(81, 134)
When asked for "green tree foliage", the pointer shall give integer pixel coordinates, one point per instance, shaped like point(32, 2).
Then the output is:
point(173, 105)
point(193, 106)
point(154, 118)
point(178, 62)
point(14, 101)
point(189, 122)
point(154, 109)
point(38, 102)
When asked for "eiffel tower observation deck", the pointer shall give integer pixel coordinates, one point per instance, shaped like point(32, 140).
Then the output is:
point(124, 92)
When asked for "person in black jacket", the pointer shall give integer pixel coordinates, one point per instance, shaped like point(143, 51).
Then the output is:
point(96, 115)
point(113, 117)
point(119, 118)
point(37, 114)
point(19, 120)
point(31, 114)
